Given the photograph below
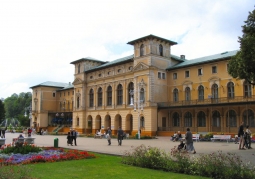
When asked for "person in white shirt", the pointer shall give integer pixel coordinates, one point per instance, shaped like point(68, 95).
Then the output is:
point(248, 138)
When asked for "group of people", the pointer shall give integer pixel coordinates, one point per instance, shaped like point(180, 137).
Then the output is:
point(177, 136)
point(188, 145)
point(71, 137)
point(245, 137)
point(120, 135)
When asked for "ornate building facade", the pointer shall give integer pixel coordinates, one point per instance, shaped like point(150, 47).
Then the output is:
point(151, 91)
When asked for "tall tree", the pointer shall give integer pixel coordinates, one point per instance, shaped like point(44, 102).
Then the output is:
point(242, 65)
point(2, 111)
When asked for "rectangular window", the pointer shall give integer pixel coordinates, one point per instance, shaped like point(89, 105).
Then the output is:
point(159, 75)
point(214, 69)
point(54, 94)
point(60, 94)
point(163, 76)
point(174, 76)
point(186, 74)
point(68, 93)
point(200, 71)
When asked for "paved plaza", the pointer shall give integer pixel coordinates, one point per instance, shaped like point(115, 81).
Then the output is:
point(164, 143)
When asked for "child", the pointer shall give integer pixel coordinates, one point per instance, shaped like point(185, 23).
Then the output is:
point(69, 139)
point(236, 139)
point(181, 145)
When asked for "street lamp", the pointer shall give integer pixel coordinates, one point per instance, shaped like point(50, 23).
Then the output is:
point(137, 103)
point(29, 109)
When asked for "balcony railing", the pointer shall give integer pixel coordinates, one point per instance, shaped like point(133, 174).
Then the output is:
point(197, 102)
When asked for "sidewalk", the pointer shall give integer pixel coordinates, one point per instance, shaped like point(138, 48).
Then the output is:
point(164, 143)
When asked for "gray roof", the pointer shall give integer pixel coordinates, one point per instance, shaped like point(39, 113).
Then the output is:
point(203, 60)
point(87, 59)
point(151, 36)
point(53, 84)
point(111, 63)
point(177, 58)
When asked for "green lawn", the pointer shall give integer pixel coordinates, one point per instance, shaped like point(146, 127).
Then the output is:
point(103, 167)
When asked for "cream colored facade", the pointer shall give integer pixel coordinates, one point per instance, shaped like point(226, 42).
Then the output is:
point(99, 97)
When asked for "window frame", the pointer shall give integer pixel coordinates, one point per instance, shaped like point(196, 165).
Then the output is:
point(109, 96)
point(187, 75)
point(100, 97)
point(119, 94)
point(91, 98)
point(214, 69)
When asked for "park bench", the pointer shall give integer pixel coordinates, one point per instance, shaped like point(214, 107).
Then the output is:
point(29, 140)
point(98, 135)
point(221, 137)
point(195, 137)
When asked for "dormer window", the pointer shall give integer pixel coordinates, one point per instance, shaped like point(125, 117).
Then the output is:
point(142, 50)
point(99, 75)
point(119, 70)
point(160, 50)
point(130, 68)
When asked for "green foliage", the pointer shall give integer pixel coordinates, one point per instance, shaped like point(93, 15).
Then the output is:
point(21, 148)
point(208, 136)
point(214, 165)
point(15, 107)
point(242, 65)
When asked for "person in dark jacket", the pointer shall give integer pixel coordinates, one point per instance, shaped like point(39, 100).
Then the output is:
point(109, 135)
point(189, 141)
point(74, 136)
point(241, 136)
point(69, 139)
point(120, 134)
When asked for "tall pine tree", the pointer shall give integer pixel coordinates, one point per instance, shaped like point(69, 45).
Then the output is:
point(242, 65)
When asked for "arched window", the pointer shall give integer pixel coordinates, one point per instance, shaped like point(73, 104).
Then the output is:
point(142, 125)
point(231, 90)
point(99, 97)
point(109, 96)
point(216, 119)
point(142, 50)
point(176, 120)
point(142, 99)
point(91, 98)
point(160, 50)
point(248, 118)
point(78, 102)
point(215, 91)
point(79, 68)
point(119, 95)
point(200, 92)
point(231, 119)
point(175, 95)
point(201, 121)
point(187, 94)
point(187, 119)
point(247, 89)
point(130, 89)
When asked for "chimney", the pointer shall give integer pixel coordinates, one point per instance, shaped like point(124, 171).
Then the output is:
point(182, 57)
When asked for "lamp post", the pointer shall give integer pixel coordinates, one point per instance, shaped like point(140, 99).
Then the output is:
point(137, 103)
point(29, 109)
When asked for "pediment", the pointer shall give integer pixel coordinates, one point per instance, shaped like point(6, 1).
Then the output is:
point(77, 81)
point(141, 66)
point(187, 82)
point(214, 78)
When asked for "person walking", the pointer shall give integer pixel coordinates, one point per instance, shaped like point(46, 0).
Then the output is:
point(189, 141)
point(74, 136)
point(120, 136)
point(69, 139)
point(3, 132)
point(241, 136)
point(109, 135)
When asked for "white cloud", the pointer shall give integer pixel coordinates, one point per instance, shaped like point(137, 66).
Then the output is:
point(39, 39)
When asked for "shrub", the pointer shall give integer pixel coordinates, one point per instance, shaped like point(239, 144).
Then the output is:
point(215, 165)
point(20, 148)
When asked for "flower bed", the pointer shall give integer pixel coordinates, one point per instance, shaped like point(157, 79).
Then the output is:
point(46, 154)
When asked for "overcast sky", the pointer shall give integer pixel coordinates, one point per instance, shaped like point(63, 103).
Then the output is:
point(39, 39)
